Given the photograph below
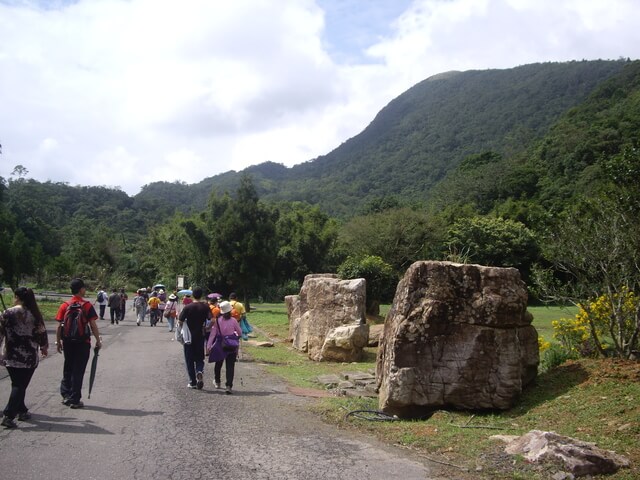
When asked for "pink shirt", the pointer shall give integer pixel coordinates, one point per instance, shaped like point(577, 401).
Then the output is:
point(227, 327)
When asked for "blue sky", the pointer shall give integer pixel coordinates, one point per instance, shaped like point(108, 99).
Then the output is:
point(127, 92)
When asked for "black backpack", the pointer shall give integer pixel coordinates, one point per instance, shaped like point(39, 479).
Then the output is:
point(75, 326)
point(100, 296)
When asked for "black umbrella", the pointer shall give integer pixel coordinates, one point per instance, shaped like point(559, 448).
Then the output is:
point(94, 366)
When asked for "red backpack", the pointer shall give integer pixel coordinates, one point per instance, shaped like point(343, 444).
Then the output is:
point(75, 326)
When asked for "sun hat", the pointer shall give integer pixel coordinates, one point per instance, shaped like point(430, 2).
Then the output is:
point(225, 307)
point(172, 297)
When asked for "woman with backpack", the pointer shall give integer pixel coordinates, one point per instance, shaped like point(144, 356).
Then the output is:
point(23, 332)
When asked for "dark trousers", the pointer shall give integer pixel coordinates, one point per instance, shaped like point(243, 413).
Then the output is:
point(194, 358)
point(115, 314)
point(230, 367)
point(102, 309)
point(76, 357)
point(20, 378)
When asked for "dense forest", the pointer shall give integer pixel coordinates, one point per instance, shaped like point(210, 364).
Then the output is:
point(534, 167)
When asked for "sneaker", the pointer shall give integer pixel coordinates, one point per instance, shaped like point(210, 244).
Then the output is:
point(190, 385)
point(8, 422)
point(217, 384)
point(227, 390)
point(76, 405)
point(199, 381)
point(138, 323)
point(66, 401)
point(24, 416)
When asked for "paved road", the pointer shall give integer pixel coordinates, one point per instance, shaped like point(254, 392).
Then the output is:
point(141, 423)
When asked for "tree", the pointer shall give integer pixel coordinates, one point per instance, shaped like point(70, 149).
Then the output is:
point(494, 242)
point(398, 236)
point(380, 277)
point(305, 240)
point(243, 246)
point(594, 250)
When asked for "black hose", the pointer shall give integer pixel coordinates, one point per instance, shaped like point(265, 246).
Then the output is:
point(373, 415)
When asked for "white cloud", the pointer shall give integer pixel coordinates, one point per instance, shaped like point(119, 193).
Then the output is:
point(147, 90)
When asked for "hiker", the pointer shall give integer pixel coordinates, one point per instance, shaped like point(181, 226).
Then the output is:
point(240, 314)
point(171, 311)
point(76, 348)
point(224, 326)
point(162, 296)
point(114, 306)
point(23, 332)
point(212, 298)
point(102, 299)
point(154, 312)
point(193, 317)
point(187, 300)
point(140, 306)
point(123, 303)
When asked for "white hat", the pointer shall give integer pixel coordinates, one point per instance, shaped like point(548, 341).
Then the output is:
point(225, 307)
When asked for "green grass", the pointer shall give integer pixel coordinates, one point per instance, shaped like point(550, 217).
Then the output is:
point(592, 400)
point(543, 316)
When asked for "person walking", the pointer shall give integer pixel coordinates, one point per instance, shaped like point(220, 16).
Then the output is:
point(171, 311)
point(76, 353)
point(194, 317)
point(140, 306)
point(123, 303)
point(114, 307)
point(225, 325)
point(162, 296)
point(22, 334)
point(102, 299)
point(240, 314)
point(154, 311)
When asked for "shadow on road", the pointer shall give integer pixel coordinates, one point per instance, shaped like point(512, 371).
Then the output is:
point(122, 412)
point(45, 423)
point(243, 393)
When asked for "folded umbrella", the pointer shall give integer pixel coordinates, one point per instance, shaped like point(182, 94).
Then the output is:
point(94, 366)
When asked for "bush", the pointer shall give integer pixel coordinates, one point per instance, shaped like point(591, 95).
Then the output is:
point(601, 327)
point(381, 280)
point(554, 356)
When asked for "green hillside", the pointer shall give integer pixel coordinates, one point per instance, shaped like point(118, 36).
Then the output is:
point(419, 137)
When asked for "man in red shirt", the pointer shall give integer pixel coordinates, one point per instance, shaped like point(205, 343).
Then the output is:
point(76, 354)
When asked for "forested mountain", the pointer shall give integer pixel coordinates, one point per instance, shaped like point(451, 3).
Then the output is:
point(533, 166)
point(418, 138)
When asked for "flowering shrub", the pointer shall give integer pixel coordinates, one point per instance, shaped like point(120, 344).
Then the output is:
point(543, 345)
point(609, 318)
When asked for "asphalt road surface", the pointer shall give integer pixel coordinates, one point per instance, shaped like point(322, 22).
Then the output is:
point(141, 423)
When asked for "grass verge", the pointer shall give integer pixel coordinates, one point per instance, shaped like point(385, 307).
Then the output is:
point(592, 400)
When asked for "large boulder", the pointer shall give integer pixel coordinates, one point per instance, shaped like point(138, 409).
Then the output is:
point(316, 315)
point(457, 336)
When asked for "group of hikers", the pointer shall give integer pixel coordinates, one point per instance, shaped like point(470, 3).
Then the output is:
point(210, 328)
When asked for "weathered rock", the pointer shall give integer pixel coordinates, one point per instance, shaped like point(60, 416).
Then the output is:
point(329, 380)
point(578, 457)
point(345, 343)
point(375, 333)
point(298, 323)
point(327, 318)
point(456, 336)
point(256, 343)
